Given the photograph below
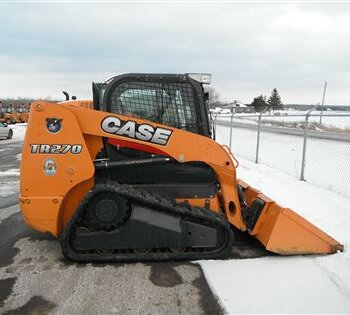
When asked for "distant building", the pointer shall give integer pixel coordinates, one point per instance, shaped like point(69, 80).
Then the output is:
point(239, 107)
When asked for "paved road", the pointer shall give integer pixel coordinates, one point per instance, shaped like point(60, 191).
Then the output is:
point(344, 137)
point(35, 279)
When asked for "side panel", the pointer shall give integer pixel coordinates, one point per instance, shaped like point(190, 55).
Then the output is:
point(51, 166)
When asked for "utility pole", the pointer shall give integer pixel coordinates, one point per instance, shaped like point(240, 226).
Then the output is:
point(324, 93)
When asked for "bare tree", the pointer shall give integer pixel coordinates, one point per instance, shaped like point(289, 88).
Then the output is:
point(214, 97)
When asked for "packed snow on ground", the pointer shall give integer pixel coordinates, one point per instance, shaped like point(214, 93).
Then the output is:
point(19, 131)
point(9, 178)
point(296, 284)
point(8, 187)
point(9, 182)
point(10, 172)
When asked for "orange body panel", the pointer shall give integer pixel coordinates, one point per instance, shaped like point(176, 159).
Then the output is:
point(39, 192)
point(47, 202)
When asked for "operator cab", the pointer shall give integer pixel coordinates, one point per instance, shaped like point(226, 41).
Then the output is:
point(175, 100)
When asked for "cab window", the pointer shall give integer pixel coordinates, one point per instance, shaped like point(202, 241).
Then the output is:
point(170, 104)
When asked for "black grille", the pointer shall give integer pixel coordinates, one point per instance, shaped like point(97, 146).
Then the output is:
point(167, 103)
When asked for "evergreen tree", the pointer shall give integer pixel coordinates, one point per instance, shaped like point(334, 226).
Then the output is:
point(259, 103)
point(275, 100)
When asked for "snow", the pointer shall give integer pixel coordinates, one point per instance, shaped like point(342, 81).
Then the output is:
point(277, 285)
point(9, 182)
point(8, 188)
point(296, 284)
point(302, 284)
point(10, 172)
point(327, 162)
point(18, 131)
point(9, 179)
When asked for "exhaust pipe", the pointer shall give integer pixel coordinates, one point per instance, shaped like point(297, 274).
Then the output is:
point(66, 95)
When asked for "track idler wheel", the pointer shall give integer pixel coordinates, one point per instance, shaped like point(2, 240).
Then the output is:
point(106, 212)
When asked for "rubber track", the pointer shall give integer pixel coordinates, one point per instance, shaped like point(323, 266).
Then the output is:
point(147, 199)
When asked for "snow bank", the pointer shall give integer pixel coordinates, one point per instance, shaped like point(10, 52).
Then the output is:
point(303, 284)
point(9, 183)
point(19, 131)
point(327, 161)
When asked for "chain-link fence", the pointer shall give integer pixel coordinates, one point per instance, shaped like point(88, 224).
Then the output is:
point(308, 146)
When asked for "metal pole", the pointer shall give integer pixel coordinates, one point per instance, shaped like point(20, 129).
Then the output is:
point(231, 132)
point(258, 136)
point(304, 145)
point(324, 93)
point(215, 123)
point(258, 140)
point(212, 123)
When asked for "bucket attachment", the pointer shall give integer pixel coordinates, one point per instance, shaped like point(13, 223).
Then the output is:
point(281, 230)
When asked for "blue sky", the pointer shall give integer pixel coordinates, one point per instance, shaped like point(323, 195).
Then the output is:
point(250, 48)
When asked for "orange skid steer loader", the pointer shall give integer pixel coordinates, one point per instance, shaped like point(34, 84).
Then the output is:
point(135, 175)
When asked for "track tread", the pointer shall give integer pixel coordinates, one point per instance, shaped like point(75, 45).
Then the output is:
point(151, 200)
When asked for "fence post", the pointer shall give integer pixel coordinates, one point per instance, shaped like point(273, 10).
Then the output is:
point(231, 132)
point(214, 126)
point(304, 145)
point(258, 139)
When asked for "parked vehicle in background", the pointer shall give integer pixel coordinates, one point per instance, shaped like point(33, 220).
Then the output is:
point(5, 131)
point(23, 112)
point(11, 114)
point(8, 115)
